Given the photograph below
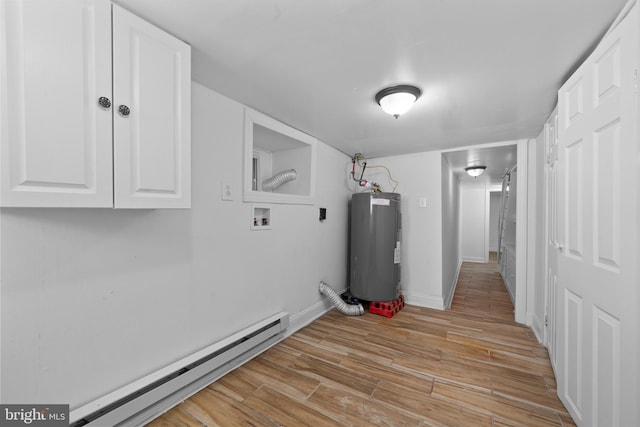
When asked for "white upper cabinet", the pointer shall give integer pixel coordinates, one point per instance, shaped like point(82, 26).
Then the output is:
point(59, 103)
point(56, 141)
point(152, 85)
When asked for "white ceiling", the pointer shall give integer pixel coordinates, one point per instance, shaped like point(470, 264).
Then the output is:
point(498, 161)
point(489, 69)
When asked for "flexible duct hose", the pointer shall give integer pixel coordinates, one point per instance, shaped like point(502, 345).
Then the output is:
point(278, 179)
point(341, 306)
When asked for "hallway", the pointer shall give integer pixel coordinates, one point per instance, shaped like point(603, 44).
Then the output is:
point(470, 365)
point(480, 291)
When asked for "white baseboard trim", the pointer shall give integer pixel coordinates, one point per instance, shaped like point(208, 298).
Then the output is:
point(452, 290)
point(474, 259)
point(537, 326)
point(509, 290)
point(308, 315)
point(428, 301)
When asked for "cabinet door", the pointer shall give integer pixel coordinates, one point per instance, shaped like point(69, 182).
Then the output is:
point(55, 140)
point(152, 144)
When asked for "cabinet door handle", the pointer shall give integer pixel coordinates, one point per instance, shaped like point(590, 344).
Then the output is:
point(104, 102)
point(124, 110)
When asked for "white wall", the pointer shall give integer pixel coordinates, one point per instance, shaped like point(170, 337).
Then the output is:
point(536, 239)
point(473, 225)
point(451, 258)
point(93, 299)
point(494, 215)
point(421, 261)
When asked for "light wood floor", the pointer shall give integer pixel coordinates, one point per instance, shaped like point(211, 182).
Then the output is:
point(468, 366)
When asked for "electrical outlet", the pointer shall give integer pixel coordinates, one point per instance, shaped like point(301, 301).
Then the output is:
point(422, 202)
point(227, 193)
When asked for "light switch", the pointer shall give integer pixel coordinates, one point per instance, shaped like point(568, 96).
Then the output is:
point(422, 202)
point(227, 193)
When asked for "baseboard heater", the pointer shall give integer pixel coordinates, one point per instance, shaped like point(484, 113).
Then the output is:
point(149, 397)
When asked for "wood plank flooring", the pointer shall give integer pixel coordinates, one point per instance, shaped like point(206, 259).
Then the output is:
point(471, 365)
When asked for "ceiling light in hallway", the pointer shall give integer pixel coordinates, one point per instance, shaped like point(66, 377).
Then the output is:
point(475, 171)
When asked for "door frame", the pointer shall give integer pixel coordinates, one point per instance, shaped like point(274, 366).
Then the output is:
point(522, 146)
point(487, 225)
point(549, 320)
point(522, 215)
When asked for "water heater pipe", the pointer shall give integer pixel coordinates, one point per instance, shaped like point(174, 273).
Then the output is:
point(341, 306)
point(278, 179)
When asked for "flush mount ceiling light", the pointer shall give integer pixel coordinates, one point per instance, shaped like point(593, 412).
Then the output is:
point(475, 171)
point(397, 100)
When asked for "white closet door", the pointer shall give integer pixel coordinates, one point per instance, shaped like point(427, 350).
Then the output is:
point(598, 328)
point(152, 79)
point(55, 59)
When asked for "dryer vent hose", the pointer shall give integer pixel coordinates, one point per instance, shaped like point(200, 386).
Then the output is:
point(278, 179)
point(338, 303)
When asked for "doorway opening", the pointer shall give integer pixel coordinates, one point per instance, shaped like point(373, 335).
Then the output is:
point(479, 211)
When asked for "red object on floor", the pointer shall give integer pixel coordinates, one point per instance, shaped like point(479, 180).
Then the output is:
point(387, 308)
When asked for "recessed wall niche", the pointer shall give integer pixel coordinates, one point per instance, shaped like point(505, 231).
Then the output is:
point(279, 162)
point(261, 217)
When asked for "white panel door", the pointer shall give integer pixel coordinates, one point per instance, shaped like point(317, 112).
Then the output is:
point(152, 79)
point(55, 59)
point(551, 170)
point(597, 264)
